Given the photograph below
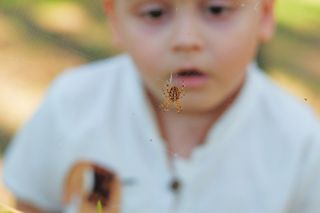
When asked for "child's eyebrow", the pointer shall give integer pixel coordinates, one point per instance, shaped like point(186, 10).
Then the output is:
point(141, 1)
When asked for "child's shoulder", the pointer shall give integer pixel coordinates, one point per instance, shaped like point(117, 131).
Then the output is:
point(92, 79)
point(92, 73)
point(89, 90)
point(282, 110)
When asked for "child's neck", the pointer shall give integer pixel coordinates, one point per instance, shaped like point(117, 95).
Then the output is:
point(183, 132)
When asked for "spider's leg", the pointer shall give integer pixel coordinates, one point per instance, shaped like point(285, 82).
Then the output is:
point(166, 102)
point(165, 105)
point(166, 90)
point(182, 90)
point(182, 93)
point(178, 105)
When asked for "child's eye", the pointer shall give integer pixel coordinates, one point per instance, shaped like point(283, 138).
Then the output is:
point(218, 10)
point(154, 13)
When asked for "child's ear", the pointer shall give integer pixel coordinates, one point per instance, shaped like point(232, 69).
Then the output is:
point(267, 21)
point(110, 9)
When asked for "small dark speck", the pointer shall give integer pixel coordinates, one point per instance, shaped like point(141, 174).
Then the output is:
point(175, 185)
point(305, 99)
point(150, 140)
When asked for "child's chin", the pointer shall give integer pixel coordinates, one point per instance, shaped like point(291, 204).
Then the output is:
point(197, 108)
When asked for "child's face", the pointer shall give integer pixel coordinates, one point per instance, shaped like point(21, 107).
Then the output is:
point(218, 38)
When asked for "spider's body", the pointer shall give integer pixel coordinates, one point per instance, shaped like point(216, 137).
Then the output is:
point(172, 95)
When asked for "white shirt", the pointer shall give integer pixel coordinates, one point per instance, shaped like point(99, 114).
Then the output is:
point(262, 156)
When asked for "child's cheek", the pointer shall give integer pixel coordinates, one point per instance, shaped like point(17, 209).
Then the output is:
point(142, 41)
point(239, 47)
point(147, 49)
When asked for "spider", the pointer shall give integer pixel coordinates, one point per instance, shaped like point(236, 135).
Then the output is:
point(172, 95)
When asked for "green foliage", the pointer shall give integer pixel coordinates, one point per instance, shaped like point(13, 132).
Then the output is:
point(297, 13)
point(94, 7)
point(4, 140)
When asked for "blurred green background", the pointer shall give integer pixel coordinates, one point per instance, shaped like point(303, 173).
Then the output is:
point(41, 38)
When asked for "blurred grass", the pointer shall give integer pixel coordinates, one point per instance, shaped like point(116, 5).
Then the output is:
point(298, 14)
point(54, 22)
point(295, 49)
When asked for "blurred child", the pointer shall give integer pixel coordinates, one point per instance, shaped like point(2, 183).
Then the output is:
point(183, 121)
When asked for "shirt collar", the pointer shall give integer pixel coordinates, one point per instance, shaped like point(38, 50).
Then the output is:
point(226, 126)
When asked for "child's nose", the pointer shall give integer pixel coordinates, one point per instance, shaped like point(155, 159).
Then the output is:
point(186, 36)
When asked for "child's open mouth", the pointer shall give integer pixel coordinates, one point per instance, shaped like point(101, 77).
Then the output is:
point(189, 73)
point(191, 77)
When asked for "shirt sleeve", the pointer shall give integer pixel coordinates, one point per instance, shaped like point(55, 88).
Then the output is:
point(308, 196)
point(30, 163)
